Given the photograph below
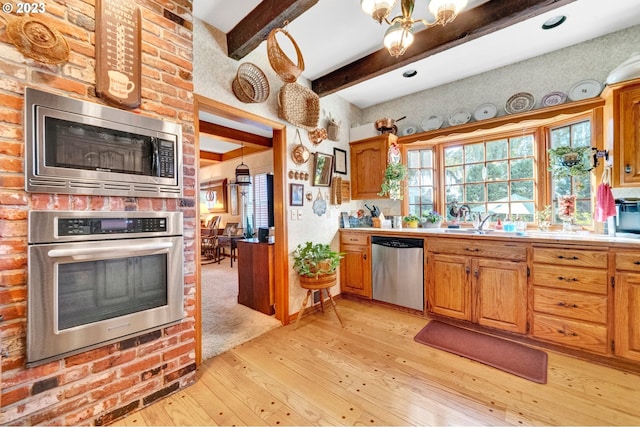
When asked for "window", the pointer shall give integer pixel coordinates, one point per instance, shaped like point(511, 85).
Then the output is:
point(257, 201)
point(420, 180)
point(573, 135)
point(495, 176)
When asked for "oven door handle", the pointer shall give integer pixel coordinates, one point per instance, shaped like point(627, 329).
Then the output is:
point(130, 250)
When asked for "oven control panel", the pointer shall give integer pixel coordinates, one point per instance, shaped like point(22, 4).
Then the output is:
point(100, 226)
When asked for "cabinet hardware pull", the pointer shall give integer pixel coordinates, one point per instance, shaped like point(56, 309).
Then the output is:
point(471, 249)
point(567, 305)
point(568, 279)
point(564, 257)
point(467, 270)
point(637, 263)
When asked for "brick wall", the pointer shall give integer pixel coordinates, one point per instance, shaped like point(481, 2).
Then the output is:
point(104, 384)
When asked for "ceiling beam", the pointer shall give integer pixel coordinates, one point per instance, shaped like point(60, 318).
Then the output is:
point(256, 26)
point(234, 135)
point(491, 16)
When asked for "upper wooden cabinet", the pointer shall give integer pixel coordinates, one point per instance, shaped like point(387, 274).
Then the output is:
point(622, 130)
point(368, 163)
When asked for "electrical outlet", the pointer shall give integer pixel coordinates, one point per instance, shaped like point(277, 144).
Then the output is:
point(299, 214)
point(316, 297)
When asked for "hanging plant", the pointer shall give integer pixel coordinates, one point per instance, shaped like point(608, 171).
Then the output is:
point(568, 161)
point(391, 183)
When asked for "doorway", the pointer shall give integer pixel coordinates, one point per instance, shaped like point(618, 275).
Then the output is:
point(280, 233)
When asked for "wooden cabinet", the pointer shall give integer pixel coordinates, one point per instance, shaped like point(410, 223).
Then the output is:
point(478, 281)
point(256, 275)
point(355, 267)
point(622, 127)
point(570, 297)
point(368, 163)
point(627, 304)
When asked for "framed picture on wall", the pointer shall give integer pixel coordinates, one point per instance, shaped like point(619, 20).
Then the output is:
point(296, 194)
point(322, 169)
point(233, 199)
point(340, 157)
point(214, 195)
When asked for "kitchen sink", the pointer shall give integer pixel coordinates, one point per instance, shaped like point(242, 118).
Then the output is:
point(467, 231)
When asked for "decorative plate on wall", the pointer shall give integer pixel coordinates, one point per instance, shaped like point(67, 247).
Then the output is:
point(459, 117)
point(519, 103)
point(432, 122)
point(485, 111)
point(585, 89)
point(553, 98)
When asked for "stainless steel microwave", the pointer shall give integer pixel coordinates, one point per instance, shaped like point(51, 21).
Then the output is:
point(79, 147)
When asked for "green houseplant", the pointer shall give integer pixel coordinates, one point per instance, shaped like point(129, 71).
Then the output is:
point(393, 177)
point(568, 161)
point(315, 259)
point(411, 221)
point(431, 219)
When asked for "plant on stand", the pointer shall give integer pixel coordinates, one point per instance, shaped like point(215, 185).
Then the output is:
point(395, 173)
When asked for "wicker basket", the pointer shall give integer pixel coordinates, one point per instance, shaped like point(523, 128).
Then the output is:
point(250, 84)
point(299, 106)
point(280, 62)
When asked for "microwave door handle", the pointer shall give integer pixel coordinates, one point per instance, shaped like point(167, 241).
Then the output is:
point(155, 158)
point(88, 252)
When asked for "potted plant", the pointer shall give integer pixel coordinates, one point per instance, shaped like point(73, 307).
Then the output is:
point(431, 219)
point(393, 177)
point(544, 218)
point(568, 161)
point(316, 264)
point(411, 221)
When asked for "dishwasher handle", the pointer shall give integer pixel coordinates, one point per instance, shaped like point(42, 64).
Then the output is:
point(397, 242)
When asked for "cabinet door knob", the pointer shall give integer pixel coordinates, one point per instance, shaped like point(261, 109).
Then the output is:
point(627, 169)
point(365, 256)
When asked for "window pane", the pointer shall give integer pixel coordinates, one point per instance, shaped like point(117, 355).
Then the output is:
point(522, 168)
point(499, 191)
point(427, 195)
point(426, 157)
point(413, 159)
point(522, 190)
point(414, 195)
point(427, 177)
point(475, 193)
point(413, 177)
point(453, 175)
point(474, 153)
point(497, 171)
point(453, 156)
point(581, 134)
point(497, 150)
point(454, 193)
point(560, 137)
point(522, 147)
point(474, 173)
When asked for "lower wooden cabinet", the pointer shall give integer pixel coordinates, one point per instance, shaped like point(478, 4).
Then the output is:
point(355, 267)
point(627, 303)
point(256, 275)
point(490, 292)
point(570, 297)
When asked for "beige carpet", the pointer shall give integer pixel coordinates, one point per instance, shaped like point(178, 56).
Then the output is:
point(225, 323)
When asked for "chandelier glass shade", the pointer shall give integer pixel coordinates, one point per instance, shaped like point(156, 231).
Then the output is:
point(399, 36)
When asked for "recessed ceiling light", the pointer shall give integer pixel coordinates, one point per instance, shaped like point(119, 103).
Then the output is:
point(409, 73)
point(554, 22)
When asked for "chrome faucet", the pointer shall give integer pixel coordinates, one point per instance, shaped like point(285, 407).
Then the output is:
point(482, 222)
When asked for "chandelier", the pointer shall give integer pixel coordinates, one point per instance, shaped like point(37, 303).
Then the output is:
point(399, 35)
point(243, 176)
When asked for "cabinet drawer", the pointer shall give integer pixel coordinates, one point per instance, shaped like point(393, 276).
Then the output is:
point(577, 279)
point(575, 305)
point(628, 261)
point(354, 239)
point(571, 333)
point(572, 257)
point(501, 250)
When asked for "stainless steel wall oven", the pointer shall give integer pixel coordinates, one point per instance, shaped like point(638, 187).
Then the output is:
point(98, 277)
point(79, 147)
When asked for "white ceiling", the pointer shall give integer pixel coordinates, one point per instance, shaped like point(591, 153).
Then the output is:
point(334, 33)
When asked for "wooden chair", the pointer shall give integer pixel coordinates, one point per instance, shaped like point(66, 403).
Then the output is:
point(210, 244)
point(229, 236)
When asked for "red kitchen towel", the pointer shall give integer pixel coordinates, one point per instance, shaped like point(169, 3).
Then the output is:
point(605, 203)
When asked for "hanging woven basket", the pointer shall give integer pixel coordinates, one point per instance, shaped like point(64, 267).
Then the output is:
point(250, 84)
point(280, 62)
point(299, 106)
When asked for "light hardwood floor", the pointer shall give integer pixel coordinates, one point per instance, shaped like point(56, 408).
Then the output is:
point(373, 373)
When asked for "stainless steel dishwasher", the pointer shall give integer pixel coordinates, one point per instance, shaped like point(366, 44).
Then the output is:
point(397, 271)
